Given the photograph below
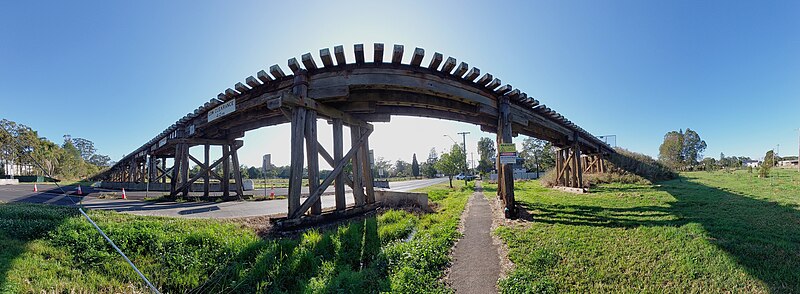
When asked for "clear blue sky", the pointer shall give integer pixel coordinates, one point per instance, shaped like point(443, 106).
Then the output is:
point(120, 72)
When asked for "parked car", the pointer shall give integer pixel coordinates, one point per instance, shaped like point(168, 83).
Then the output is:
point(462, 176)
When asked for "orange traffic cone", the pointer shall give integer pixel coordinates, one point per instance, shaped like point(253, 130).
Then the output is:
point(272, 192)
point(80, 192)
point(123, 194)
point(35, 189)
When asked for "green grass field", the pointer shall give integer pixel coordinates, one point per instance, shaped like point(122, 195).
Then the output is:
point(709, 232)
point(53, 249)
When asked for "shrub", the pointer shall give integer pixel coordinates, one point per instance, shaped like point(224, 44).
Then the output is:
point(763, 171)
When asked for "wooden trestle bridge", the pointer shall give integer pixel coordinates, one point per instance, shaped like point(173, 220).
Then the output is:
point(349, 93)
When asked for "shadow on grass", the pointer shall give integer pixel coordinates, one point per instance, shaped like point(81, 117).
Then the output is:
point(762, 236)
point(21, 223)
point(346, 259)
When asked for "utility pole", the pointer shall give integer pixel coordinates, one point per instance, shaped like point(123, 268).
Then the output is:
point(472, 160)
point(466, 165)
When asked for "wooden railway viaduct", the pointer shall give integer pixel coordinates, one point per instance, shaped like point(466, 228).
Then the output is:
point(349, 93)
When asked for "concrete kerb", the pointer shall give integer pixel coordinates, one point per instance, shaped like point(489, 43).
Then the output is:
point(399, 199)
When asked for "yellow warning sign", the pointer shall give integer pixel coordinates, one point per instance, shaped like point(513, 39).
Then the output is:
point(507, 148)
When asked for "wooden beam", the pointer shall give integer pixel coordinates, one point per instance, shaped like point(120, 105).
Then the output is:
point(263, 76)
point(378, 53)
point(296, 165)
point(504, 128)
point(461, 69)
point(315, 195)
point(207, 172)
point(358, 177)
point(449, 64)
point(322, 109)
point(294, 66)
point(435, 61)
point(325, 55)
point(358, 50)
point(298, 126)
point(472, 74)
point(237, 172)
point(397, 54)
point(366, 170)
point(338, 51)
point(416, 59)
point(185, 186)
point(226, 170)
point(252, 82)
point(308, 61)
point(338, 148)
point(578, 169)
point(276, 71)
point(185, 166)
point(313, 157)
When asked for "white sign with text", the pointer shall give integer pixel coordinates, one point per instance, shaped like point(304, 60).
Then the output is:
point(222, 110)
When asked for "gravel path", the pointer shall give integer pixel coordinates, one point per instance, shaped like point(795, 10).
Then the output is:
point(476, 265)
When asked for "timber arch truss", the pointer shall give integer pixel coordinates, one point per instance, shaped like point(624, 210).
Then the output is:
point(350, 93)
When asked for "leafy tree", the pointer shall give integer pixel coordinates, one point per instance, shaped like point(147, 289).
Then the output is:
point(382, 166)
point(680, 149)
point(486, 153)
point(452, 163)
point(433, 156)
point(769, 158)
point(401, 168)
point(693, 147)
point(100, 160)
point(708, 163)
point(254, 173)
point(243, 171)
point(769, 162)
point(537, 154)
point(428, 170)
point(414, 166)
point(85, 147)
point(671, 150)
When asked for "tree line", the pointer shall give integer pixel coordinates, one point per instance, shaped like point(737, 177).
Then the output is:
point(74, 158)
point(683, 151)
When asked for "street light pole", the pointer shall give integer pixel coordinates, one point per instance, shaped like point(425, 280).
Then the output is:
point(466, 165)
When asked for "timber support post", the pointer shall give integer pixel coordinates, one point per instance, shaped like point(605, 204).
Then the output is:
point(338, 149)
point(577, 170)
point(298, 127)
point(506, 178)
point(183, 184)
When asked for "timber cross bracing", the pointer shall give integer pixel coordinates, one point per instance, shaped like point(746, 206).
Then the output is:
point(352, 93)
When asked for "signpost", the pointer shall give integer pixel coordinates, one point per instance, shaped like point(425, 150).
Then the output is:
point(508, 153)
point(265, 164)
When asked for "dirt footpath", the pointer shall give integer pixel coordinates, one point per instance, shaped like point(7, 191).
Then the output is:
point(476, 264)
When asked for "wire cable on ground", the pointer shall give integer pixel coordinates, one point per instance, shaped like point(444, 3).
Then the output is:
point(80, 208)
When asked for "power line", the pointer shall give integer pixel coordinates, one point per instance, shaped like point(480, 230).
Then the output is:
point(80, 209)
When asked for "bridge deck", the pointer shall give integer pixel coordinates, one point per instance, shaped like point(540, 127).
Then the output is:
point(368, 90)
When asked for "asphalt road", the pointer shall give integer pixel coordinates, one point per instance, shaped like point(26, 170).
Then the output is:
point(49, 194)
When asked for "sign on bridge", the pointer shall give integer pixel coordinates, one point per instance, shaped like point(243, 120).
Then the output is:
point(222, 110)
point(508, 153)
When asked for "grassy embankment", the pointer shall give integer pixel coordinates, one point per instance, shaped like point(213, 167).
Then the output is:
point(53, 249)
point(710, 232)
